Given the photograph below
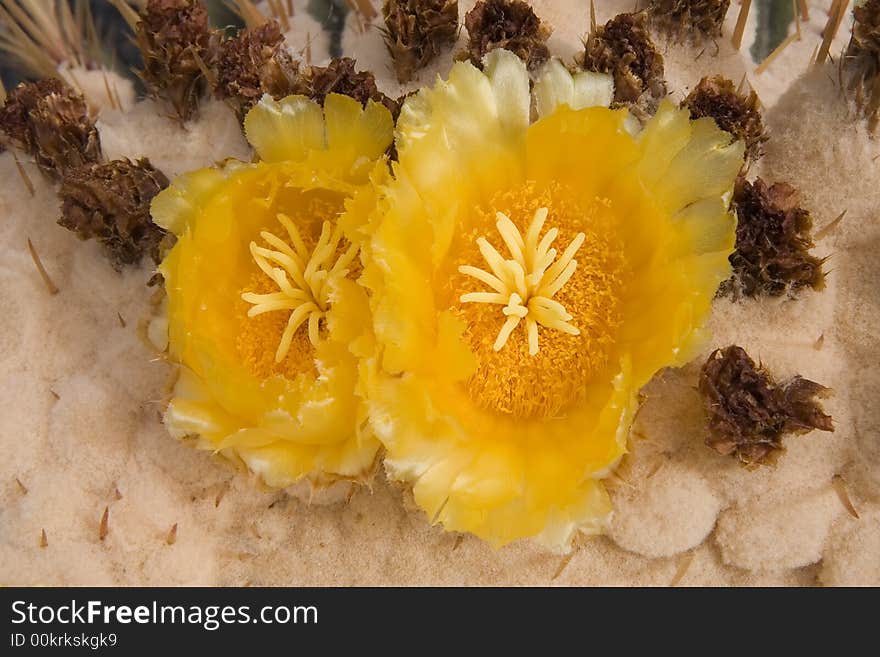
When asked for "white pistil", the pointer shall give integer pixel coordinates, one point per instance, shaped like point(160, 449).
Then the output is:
point(526, 283)
point(302, 278)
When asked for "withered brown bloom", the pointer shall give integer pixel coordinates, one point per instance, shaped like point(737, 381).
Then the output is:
point(694, 19)
point(738, 114)
point(860, 64)
point(51, 122)
point(623, 48)
point(772, 242)
point(111, 203)
point(416, 31)
point(175, 41)
point(508, 24)
point(252, 63)
point(340, 76)
point(749, 413)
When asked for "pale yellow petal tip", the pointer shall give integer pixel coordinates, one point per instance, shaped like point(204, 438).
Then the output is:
point(286, 129)
point(557, 86)
point(175, 206)
point(510, 85)
point(347, 135)
point(367, 129)
point(492, 104)
point(499, 58)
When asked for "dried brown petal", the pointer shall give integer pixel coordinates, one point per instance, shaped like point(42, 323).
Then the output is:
point(749, 413)
point(623, 48)
point(772, 242)
point(52, 123)
point(508, 24)
point(111, 203)
point(341, 76)
point(737, 114)
point(694, 19)
point(861, 62)
point(253, 63)
point(416, 31)
point(175, 41)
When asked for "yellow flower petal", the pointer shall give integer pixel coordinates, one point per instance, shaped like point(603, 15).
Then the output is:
point(365, 132)
point(343, 139)
point(287, 129)
point(172, 210)
point(557, 86)
point(510, 86)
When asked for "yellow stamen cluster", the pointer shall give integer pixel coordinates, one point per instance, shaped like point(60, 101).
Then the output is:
point(526, 283)
point(302, 278)
point(514, 380)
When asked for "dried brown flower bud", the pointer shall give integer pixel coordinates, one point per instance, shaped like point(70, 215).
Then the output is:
point(694, 19)
point(772, 242)
point(623, 48)
point(416, 31)
point(175, 41)
point(508, 24)
point(341, 76)
point(111, 203)
point(861, 62)
point(749, 413)
point(737, 114)
point(52, 123)
point(253, 63)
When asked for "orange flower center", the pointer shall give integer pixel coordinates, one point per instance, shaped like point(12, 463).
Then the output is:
point(541, 321)
point(282, 310)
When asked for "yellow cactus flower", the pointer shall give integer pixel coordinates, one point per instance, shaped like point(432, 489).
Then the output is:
point(527, 279)
point(264, 314)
